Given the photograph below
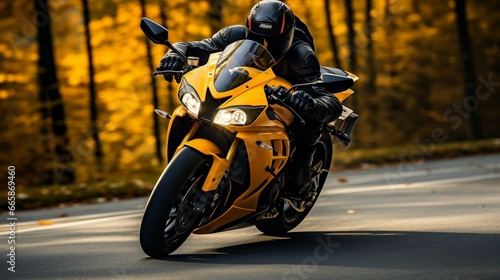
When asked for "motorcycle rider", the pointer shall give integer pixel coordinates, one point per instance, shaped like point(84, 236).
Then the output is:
point(272, 24)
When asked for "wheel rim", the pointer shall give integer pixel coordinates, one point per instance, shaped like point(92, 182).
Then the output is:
point(183, 217)
point(320, 156)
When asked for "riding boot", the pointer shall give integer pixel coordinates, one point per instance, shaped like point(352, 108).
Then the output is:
point(300, 172)
point(305, 138)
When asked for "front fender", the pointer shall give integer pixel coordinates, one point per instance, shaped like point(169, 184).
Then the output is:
point(219, 164)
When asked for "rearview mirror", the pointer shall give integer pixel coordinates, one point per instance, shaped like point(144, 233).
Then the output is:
point(336, 83)
point(154, 31)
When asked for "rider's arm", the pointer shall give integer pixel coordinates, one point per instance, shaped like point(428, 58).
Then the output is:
point(216, 43)
point(328, 107)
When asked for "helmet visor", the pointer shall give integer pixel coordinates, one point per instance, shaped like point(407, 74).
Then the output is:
point(276, 45)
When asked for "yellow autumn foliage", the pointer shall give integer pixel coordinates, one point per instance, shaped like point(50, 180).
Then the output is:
point(415, 54)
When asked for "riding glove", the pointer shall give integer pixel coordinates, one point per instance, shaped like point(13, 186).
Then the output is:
point(171, 61)
point(302, 101)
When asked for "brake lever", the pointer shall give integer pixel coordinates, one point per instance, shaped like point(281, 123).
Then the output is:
point(176, 72)
point(161, 72)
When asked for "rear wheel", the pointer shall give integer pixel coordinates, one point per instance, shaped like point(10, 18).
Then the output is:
point(170, 214)
point(288, 218)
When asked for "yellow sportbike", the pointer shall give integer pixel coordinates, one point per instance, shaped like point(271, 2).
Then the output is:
point(228, 148)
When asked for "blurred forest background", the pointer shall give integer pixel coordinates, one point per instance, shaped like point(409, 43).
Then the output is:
point(77, 97)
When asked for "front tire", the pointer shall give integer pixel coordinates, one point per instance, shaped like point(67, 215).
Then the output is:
point(288, 218)
point(168, 221)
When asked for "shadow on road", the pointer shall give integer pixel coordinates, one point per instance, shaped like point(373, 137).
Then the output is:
point(375, 249)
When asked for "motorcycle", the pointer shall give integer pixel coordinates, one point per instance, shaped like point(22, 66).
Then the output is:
point(229, 147)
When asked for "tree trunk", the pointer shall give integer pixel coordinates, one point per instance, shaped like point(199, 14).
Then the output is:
point(154, 90)
point(389, 46)
point(215, 15)
point(170, 88)
point(351, 35)
point(372, 75)
point(370, 104)
point(469, 74)
point(415, 6)
point(52, 109)
point(331, 36)
point(352, 47)
point(94, 129)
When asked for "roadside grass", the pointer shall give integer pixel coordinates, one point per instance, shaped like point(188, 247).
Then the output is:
point(360, 158)
point(62, 195)
point(34, 197)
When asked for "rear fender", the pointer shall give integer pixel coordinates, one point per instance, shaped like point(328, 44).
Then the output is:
point(218, 167)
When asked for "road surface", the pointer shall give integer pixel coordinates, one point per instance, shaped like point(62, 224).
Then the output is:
point(436, 220)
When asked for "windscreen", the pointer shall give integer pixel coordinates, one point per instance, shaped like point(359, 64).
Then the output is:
point(238, 63)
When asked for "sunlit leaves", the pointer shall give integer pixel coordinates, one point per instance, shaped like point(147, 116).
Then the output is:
point(415, 45)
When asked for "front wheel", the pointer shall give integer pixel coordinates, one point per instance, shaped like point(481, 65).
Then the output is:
point(169, 216)
point(288, 218)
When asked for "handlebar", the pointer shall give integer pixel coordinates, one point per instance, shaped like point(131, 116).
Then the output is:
point(273, 94)
point(274, 97)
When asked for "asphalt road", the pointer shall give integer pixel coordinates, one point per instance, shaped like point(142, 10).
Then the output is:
point(437, 220)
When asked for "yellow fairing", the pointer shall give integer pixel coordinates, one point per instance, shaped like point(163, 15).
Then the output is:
point(260, 160)
point(252, 94)
point(177, 114)
point(354, 77)
point(343, 94)
point(199, 79)
point(203, 75)
point(346, 93)
point(219, 165)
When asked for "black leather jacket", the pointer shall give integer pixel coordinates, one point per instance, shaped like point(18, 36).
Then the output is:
point(299, 65)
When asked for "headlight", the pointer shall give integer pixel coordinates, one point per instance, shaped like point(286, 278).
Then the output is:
point(241, 115)
point(192, 103)
point(189, 98)
point(230, 117)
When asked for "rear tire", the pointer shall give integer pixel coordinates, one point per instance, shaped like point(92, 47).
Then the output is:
point(288, 218)
point(167, 221)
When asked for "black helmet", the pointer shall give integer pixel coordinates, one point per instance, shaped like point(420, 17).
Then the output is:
point(272, 24)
